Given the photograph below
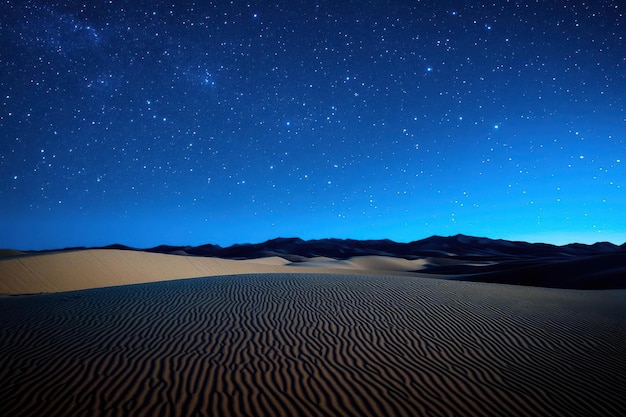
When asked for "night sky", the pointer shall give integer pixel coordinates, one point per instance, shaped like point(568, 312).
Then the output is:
point(149, 122)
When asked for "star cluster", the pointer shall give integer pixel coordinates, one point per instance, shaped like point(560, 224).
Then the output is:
point(232, 121)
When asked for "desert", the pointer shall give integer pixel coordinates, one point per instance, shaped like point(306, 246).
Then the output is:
point(312, 208)
point(322, 328)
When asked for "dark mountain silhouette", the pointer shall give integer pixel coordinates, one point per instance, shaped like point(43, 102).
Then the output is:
point(459, 247)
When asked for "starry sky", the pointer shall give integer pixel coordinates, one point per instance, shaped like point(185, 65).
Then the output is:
point(147, 122)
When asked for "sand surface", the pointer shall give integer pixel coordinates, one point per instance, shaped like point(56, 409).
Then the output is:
point(314, 345)
point(117, 333)
point(96, 268)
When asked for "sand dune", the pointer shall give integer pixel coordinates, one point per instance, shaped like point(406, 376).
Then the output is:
point(96, 268)
point(388, 263)
point(6, 253)
point(371, 262)
point(120, 334)
point(313, 345)
point(575, 266)
point(75, 270)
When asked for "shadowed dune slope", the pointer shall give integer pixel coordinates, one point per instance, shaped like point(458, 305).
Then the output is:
point(6, 253)
point(593, 272)
point(313, 345)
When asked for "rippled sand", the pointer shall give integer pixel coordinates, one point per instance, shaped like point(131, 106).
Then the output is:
point(313, 345)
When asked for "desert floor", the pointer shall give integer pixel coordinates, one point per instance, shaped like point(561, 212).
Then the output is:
point(303, 344)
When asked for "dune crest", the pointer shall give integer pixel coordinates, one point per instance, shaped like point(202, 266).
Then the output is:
point(96, 268)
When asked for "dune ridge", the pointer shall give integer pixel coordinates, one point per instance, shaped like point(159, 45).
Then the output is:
point(313, 345)
point(96, 268)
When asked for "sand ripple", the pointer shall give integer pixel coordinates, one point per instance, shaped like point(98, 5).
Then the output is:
point(313, 345)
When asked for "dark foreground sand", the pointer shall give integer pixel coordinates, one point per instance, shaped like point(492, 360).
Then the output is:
point(314, 345)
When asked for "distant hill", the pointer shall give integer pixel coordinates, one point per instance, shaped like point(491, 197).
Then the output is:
point(460, 246)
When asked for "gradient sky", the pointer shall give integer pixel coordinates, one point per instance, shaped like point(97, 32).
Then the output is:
point(149, 122)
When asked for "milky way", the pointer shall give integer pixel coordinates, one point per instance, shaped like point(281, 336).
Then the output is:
point(147, 122)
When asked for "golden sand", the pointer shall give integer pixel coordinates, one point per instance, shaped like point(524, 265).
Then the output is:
point(96, 268)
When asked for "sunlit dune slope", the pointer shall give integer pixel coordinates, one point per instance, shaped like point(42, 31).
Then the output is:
point(95, 268)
